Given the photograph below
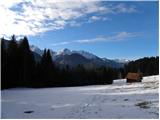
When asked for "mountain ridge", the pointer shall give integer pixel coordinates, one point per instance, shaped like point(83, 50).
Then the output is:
point(65, 57)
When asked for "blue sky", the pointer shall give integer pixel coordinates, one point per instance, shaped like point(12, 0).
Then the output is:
point(107, 29)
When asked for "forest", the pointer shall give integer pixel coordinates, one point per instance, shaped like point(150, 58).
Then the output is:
point(20, 69)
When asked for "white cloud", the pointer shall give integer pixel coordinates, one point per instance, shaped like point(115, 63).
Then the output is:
point(97, 18)
point(122, 8)
point(120, 36)
point(61, 43)
point(32, 17)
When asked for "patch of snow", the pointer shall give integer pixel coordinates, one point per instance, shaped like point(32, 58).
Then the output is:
point(120, 100)
point(122, 60)
point(83, 53)
point(64, 51)
point(86, 54)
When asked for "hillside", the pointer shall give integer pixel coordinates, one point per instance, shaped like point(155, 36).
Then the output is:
point(119, 100)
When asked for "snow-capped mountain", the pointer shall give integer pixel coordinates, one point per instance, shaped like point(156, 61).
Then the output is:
point(73, 58)
point(36, 50)
point(86, 54)
point(64, 51)
point(69, 52)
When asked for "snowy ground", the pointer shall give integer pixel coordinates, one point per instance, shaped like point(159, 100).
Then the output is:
point(119, 100)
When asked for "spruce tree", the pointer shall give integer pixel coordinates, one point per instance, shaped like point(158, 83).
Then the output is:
point(27, 63)
point(47, 69)
point(12, 72)
point(3, 64)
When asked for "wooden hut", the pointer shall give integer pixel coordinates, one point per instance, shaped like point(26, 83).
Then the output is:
point(134, 77)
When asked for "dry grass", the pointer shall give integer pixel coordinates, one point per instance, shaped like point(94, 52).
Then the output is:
point(144, 104)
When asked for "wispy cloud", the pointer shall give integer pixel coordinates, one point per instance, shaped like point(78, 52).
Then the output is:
point(97, 18)
point(120, 36)
point(31, 17)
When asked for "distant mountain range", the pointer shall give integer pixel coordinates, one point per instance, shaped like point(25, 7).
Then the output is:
point(74, 58)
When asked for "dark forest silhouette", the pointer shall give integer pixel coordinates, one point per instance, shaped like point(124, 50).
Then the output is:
point(20, 69)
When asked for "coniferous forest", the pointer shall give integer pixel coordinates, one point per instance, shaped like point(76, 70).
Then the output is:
point(20, 69)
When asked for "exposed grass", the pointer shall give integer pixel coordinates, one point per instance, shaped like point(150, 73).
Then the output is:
point(29, 111)
point(144, 104)
point(125, 99)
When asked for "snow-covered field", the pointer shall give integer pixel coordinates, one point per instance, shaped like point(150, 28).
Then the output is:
point(119, 100)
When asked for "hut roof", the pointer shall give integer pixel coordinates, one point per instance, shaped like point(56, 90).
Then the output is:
point(133, 76)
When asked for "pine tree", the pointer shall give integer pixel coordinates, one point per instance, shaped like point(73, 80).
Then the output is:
point(12, 79)
point(3, 64)
point(27, 63)
point(47, 69)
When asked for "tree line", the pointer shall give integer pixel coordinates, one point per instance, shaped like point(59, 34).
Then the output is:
point(20, 69)
point(147, 66)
